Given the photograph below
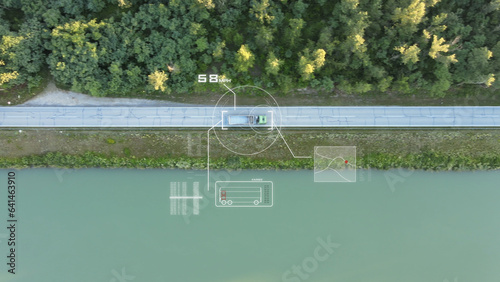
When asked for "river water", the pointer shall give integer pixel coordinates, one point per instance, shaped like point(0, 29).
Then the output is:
point(120, 225)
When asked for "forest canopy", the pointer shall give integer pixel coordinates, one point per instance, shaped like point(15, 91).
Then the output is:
point(119, 47)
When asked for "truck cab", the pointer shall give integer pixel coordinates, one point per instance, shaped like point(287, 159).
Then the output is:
point(261, 119)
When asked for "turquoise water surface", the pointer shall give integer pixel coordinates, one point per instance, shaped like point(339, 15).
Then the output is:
point(116, 226)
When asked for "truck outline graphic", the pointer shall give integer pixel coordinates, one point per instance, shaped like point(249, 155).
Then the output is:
point(244, 193)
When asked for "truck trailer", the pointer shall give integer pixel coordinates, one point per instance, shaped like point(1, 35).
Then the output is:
point(246, 120)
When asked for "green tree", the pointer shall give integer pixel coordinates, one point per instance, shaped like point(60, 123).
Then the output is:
point(477, 68)
point(8, 71)
point(273, 64)
point(309, 63)
point(115, 84)
point(438, 46)
point(306, 68)
point(219, 50)
point(384, 83)
point(53, 17)
point(410, 16)
point(352, 22)
point(7, 76)
point(326, 41)
point(21, 55)
point(74, 55)
point(319, 58)
point(207, 3)
point(157, 79)
point(443, 81)
point(201, 44)
point(260, 10)
point(134, 76)
point(299, 9)
point(293, 31)
point(409, 55)
point(244, 59)
point(264, 36)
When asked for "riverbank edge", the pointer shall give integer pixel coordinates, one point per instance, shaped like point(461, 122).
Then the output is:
point(433, 161)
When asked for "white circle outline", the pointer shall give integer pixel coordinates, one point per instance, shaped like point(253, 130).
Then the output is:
point(279, 127)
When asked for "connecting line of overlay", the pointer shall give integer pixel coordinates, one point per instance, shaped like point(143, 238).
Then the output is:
point(208, 155)
point(297, 157)
point(234, 94)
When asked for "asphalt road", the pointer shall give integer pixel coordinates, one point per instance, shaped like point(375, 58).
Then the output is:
point(207, 117)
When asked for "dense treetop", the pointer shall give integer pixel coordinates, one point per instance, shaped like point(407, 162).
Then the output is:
point(118, 47)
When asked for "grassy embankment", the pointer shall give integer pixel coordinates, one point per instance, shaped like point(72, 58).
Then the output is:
point(380, 149)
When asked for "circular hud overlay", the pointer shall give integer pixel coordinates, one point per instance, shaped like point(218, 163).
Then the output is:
point(248, 139)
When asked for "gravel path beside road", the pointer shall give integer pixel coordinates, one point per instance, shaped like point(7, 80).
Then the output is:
point(53, 96)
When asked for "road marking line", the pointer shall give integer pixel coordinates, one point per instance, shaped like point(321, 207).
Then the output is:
point(338, 116)
point(159, 116)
